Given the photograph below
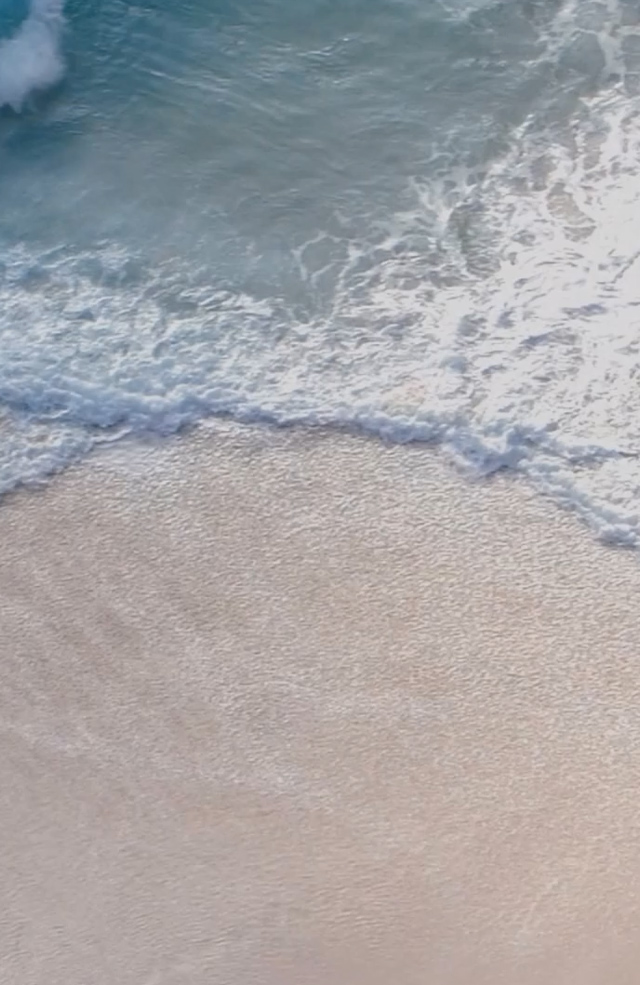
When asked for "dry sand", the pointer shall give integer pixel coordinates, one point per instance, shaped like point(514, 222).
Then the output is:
point(294, 709)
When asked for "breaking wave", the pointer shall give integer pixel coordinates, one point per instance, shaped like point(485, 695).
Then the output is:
point(31, 60)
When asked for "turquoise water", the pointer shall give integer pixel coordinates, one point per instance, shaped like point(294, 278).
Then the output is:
point(412, 217)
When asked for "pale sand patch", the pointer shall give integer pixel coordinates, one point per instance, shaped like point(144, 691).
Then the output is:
point(299, 709)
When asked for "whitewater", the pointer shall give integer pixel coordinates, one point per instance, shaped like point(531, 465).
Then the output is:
point(31, 60)
point(413, 218)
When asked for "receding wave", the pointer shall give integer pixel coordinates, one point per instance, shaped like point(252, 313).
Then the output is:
point(31, 60)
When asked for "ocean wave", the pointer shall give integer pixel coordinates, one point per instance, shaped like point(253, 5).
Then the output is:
point(490, 308)
point(31, 60)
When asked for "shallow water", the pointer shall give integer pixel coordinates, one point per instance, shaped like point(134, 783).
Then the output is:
point(415, 217)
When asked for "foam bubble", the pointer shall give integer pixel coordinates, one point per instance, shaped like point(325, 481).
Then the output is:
point(31, 60)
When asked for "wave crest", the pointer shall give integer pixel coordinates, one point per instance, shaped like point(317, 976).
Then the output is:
point(31, 60)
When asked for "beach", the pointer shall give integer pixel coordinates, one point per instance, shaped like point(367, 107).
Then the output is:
point(302, 708)
point(319, 483)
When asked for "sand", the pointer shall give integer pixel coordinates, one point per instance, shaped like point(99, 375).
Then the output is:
point(301, 709)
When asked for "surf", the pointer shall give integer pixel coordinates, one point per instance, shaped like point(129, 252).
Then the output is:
point(229, 212)
point(31, 59)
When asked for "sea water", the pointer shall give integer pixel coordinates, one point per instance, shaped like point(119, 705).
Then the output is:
point(414, 218)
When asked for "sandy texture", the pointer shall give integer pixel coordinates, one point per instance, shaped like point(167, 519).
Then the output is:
point(292, 709)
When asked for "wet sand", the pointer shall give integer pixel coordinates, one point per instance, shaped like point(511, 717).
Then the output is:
point(299, 709)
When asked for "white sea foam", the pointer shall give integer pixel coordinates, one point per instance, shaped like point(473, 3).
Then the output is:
point(31, 60)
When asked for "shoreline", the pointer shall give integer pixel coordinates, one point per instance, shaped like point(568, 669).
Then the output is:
point(284, 707)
